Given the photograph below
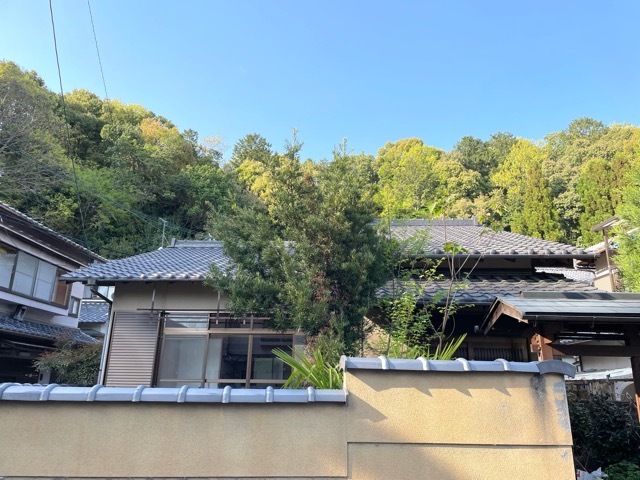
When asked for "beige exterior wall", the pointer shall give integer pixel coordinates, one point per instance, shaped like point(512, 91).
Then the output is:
point(130, 297)
point(396, 425)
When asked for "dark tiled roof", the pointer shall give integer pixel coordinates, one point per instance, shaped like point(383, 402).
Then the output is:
point(584, 275)
point(479, 240)
point(93, 311)
point(185, 260)
point(26, 220)
point(483, 289)
point(47, 331)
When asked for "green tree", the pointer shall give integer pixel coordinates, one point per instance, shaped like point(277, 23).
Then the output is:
point(603, 179)
point(305, 254)
point(524, 193)
point(628, 258)
point(407, 181)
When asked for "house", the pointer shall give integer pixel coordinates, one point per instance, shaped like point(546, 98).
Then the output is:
point(513, 308)
point(93, 317)
point(36, 307)
point(167, 328)
point(488, 264)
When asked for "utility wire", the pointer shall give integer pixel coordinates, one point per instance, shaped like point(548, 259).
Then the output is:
point(66, 121)
point(95, 39)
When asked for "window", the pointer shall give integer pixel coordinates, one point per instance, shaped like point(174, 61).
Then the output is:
point(210, 350)
point(27, 275)
point(74, 306)
point(7, 260)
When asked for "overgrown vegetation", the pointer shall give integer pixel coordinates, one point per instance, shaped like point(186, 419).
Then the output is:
point(72, 362)
point(305, 253)
point(137, 173)
point(605, 433)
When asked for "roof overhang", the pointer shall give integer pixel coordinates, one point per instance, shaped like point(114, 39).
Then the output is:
point(567, 307)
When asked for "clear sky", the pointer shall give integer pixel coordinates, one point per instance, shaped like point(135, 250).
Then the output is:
point(369, 71)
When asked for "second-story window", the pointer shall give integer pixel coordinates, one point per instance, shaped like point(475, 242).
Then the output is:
point(27, 275)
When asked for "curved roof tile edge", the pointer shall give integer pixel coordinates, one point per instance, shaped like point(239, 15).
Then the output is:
point(459, 365)
point(99, 393)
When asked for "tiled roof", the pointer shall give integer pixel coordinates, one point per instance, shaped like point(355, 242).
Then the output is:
point(184, 260)
point(478, 240)
point(25, 219)
point(92, 311)
point(484, 288)
point(579, 275)
point(98, 393)
point(42, 330)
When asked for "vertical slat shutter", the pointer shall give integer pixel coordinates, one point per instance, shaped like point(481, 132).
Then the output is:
point(133, 349)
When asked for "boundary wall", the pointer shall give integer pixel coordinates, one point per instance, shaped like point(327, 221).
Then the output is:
point(395, 419)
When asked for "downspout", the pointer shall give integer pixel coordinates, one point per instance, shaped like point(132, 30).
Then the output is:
point(105, 346)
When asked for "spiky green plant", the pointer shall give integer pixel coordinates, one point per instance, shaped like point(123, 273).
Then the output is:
point(314, 371)
point(317, 372)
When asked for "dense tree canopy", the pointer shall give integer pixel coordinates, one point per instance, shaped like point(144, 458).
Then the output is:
point(305, 252)
point(135, 172)
point(132, 168)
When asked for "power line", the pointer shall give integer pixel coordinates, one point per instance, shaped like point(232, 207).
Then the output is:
point(66, 121)
point(95, 39)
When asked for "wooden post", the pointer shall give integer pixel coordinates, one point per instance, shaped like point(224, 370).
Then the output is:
point(635, 369)
point(541, 340)
point(633, 338)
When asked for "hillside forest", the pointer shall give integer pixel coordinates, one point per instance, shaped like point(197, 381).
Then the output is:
point(122, 180)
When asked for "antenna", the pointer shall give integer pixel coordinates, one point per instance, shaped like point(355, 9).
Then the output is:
point(164, 226)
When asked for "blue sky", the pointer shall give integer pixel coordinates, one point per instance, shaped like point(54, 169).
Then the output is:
point(369, 71)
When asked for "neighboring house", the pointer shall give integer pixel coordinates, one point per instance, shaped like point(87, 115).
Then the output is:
point(489, 265)
point(517, 311)
point(168, 329)
point(36, 307)
point(94, 318)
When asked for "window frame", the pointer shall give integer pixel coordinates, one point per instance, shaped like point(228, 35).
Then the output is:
point(219, 325)
point(57, 286)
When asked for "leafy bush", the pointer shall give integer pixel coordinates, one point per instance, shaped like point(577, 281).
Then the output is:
point(623, 471)
point(604, 432)
point(73, 363)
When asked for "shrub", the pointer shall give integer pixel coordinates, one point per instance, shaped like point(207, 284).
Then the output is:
point(72, 362)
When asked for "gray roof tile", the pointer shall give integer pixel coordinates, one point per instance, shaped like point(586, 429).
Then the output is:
point(25, 219)
point(93, 311)
point(484, 288)
point(479, 240)
point(186, 260)
point(579, 275)
point(46, 331)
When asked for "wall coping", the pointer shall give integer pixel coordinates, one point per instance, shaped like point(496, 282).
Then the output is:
point(99, 393)
point(185, 394)
point(458, 365)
